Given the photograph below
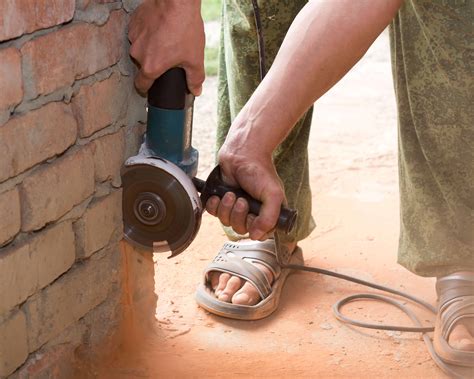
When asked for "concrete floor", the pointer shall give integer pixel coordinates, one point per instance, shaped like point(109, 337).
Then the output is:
point(355, 204)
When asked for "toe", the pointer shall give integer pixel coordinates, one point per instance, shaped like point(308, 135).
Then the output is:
point(223, 279)
point(461, 339)
point(214, 279)
point(247, 295)
point(233, 285)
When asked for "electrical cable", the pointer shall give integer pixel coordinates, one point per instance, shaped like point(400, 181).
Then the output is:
point(260, 40)
point(418, 328)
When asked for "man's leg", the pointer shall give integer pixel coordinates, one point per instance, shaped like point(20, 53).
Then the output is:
point(239, 75)
point(433, 82)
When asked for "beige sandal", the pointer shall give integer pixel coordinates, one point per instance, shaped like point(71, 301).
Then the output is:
point(236, 259)
point(455, 303)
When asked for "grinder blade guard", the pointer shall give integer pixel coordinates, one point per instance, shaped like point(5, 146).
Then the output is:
point(161, 206)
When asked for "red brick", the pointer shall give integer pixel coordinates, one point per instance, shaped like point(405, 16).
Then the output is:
point(69, 298)
point(100, 224)
point(34, 137)
point(100, 104)
point(13, 346)
point(10, 219)
point(11, 82)
point(34, 264)
point(56, 59)
point(25, 16)
point(50, 362)
point(54, 189)
point(109, 156)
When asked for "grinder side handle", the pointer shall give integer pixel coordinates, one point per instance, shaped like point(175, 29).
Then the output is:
point(215, 186)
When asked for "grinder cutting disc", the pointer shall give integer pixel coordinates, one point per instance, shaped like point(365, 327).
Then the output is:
point(161, 207)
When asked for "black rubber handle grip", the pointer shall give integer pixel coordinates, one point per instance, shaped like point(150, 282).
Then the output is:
point(169, 91)
point(214, 186)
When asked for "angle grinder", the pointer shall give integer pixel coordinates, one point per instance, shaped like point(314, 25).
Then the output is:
point(162, 209)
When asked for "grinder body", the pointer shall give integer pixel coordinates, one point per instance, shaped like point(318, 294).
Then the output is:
point(169, 121)
point(161, 206)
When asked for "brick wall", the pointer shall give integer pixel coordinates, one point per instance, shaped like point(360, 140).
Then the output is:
point(69, 116)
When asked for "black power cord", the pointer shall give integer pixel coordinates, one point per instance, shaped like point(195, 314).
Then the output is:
point(260, 40)
point(418, 328)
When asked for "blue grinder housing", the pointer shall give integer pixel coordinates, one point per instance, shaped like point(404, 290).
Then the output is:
point(169, 122)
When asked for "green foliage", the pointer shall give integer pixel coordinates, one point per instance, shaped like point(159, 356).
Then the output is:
point(211, 60)
point(211, 10)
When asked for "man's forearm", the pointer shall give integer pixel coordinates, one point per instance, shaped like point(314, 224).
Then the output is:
point(325, 40)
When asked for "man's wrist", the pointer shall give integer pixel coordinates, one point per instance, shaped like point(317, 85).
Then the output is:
point(255, 130)
point(249, 140)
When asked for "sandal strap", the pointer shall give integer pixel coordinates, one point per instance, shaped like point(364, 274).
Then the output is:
point(454, 311)
point(455, 285)
point(238, 258)
point(455, 299)
point(261, 251)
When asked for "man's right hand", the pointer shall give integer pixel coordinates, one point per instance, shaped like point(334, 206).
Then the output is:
point(250, 167)
point(166, 34)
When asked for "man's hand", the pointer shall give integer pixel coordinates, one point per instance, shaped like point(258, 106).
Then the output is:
point(252, 170)
point(166, 34)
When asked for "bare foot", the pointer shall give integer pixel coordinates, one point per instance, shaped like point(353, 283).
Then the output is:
point(235, 290)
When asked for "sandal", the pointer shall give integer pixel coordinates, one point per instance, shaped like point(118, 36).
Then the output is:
point(236, 259)
point(455, 303)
